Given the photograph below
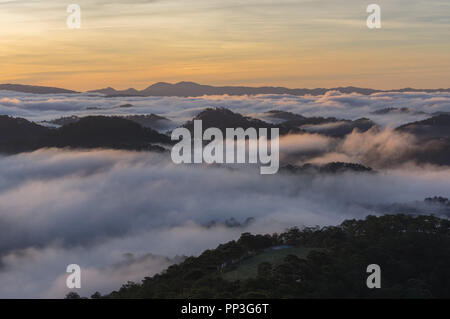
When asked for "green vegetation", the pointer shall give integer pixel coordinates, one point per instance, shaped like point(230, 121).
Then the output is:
point(248, 268)
point(412, 251)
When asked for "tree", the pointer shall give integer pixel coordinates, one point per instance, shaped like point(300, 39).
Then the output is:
point(265, 270)
point(73, 295)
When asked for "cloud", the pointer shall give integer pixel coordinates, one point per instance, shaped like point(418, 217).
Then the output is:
point(304, 146)
point(377, 148)
point(94, 208)
point(332, 104)
point(126, 215)
point(40, 272)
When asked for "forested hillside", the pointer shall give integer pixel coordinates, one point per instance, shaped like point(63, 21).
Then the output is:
point(328, 262)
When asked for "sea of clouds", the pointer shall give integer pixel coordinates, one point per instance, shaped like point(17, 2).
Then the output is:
point(332, 104)
point(125, 215)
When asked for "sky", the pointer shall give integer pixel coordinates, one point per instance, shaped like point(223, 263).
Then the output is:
point(292, 43)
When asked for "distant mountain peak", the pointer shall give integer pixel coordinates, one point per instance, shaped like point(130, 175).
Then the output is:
point(187, 83)
point(189, 88)
point(192, 89)
point(35, 89)
point(158, 85)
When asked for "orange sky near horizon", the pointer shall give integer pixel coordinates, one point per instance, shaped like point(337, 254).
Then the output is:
point(257, 42)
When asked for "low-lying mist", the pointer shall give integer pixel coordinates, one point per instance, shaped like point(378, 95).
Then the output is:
point(386, 109)
point(126, 215)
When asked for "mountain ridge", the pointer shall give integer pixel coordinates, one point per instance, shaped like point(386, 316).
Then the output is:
point(192, 89)
point(35, 89)
point(20, 135)
point(186, 89)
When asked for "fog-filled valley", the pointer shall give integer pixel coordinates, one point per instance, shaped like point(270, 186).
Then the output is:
point(88, 179)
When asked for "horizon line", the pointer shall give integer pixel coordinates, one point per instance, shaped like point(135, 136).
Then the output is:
point(225, 86)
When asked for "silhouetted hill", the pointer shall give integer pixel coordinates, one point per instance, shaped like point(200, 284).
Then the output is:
point(153, 121)
point(62, 120)
point(18, 128)
point(103, 131)
point(440, 113)
point(329, 126)
point(329, 168)
point(185, 89)
point(223, 118)
point(437, 200)
point(339, 128)
point(396, 110)
point(34, 89)
point(20, 135)
point(278, 116)
point(432, 128)
point(327, 262)
point(433, 135)
point(436, 206)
